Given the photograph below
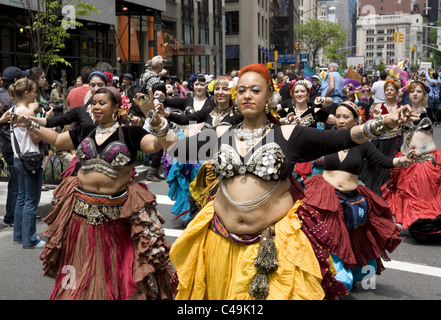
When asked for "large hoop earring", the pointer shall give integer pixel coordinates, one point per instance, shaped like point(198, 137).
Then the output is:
point(114, 117)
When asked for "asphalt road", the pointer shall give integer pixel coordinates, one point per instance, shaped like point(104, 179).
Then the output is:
point(414, 272)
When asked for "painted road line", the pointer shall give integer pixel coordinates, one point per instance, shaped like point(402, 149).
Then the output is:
point(413, 268)
point(173, 232)
point(160, 199)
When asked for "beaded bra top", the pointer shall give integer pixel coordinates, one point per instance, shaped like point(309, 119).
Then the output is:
point(265, 160)
point(424, 125)
point(114, 156)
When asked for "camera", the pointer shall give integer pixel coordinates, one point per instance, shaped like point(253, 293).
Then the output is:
point(57, 106)
point(45, 106)
point(170, 78)
point(160, 97)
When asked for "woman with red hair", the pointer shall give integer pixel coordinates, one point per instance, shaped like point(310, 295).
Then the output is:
point(414, 193)
point(256, 240)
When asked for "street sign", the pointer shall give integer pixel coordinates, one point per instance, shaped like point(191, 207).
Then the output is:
point(293, 58)
point(304, 57)
point(287, 58)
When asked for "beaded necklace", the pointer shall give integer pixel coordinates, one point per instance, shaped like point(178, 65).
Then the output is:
point(218, 114)
point(251, 137)
point(100, 130)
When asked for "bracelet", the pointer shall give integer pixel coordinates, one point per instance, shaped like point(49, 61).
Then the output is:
point(160, 131)
point(367, 130)
point(33, 125)
point(362, 132)
point(402, 164)
point(375, 128)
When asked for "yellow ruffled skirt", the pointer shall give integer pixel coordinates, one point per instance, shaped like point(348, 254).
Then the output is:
point(211, 267)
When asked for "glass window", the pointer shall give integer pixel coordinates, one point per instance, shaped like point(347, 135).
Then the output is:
point(232, 23)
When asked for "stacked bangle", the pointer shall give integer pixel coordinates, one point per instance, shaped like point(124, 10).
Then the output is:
point(374, 128)
point(160, 131)
point(33, 125)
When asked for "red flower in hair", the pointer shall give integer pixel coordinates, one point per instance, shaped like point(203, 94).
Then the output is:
point(109, 77)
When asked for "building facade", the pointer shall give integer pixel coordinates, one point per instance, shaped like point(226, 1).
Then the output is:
point(247, 34)
point(390, 38)
point(126, 34)
point(392, 6)
point(194, 34)
point(308, 9)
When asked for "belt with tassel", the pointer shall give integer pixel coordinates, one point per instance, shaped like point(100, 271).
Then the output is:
point(98, 208)
point(266, 260)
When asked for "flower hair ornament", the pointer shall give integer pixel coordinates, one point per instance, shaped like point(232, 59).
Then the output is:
point(274, 101)
point(231, 84)
point(275, 87)
point(307, 84)
point(109, 77)
point(233, 87)
point(123, 111)
point(424, 85)
point(391, 81)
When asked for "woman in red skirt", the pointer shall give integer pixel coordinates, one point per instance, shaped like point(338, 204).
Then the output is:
point(414, 193)
point(355, 214)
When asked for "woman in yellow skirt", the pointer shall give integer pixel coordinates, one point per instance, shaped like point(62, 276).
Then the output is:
point(256, 240)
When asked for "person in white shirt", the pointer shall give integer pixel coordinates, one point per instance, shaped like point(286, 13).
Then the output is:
point(378, 89)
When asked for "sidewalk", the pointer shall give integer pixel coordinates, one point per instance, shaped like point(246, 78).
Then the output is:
point(45, 205)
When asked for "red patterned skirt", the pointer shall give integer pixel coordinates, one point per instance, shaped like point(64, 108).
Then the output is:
point(358, 246)
point(105, 248)
point(414, 195)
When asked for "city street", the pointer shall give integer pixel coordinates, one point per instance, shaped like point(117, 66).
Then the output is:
point(414, 272)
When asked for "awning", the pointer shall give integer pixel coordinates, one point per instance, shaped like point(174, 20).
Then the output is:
point(231, 52)
point(267, 53)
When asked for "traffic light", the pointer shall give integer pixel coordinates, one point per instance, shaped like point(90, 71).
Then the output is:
point(276, 55)
point(398, 36)
point(297, 45)
point(270, 65)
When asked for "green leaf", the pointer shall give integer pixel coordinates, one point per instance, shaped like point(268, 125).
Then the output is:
point(47, 34)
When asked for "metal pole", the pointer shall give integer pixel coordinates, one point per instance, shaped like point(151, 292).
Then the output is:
point(425, 45)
